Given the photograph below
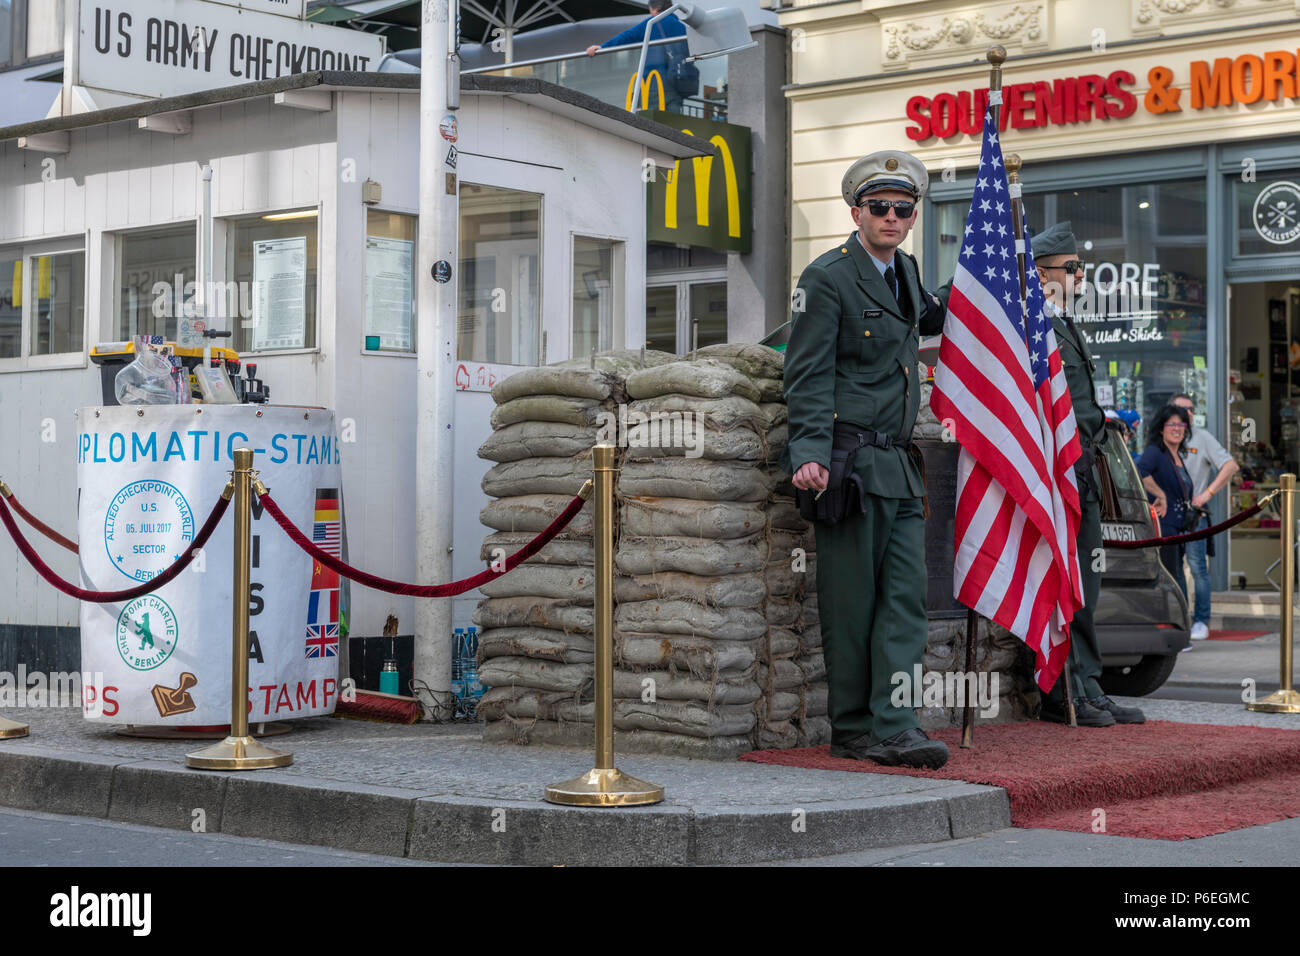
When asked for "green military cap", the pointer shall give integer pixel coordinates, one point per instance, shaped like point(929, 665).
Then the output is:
point(1057, 240)
point(887, 169)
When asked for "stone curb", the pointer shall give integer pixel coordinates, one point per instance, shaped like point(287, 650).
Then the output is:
point(293, 808)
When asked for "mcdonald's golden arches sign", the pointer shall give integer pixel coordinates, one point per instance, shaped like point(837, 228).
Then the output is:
point(707, 200)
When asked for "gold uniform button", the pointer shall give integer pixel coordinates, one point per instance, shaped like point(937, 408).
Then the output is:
point(844, 248)
point(837, 414)
point(867, 333)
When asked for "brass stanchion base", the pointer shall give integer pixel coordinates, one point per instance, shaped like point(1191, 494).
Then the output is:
point(237, 753)
point(1278, 702)
point(604, 788)
point(10, 729)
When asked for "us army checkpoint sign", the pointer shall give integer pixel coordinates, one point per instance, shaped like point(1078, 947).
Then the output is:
point(148, 478)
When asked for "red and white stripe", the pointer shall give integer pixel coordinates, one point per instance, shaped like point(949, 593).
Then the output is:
point(1017, 514)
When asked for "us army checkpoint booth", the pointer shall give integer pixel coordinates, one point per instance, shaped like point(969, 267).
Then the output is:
point(108, 203)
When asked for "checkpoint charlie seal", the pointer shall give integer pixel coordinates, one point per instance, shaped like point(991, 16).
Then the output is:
point(146, 632)
point(148, 525)
point(1276, 213)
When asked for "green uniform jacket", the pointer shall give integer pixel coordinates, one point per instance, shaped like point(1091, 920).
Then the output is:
point(852, 357)
point(1079, 370)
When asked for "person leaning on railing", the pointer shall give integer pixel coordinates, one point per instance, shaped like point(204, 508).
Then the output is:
point(657, 57)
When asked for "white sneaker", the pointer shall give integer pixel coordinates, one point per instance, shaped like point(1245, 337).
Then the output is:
point(1199, 631)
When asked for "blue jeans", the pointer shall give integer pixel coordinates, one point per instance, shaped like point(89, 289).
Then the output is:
point(1200, 568)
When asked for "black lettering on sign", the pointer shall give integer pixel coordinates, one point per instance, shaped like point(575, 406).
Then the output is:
point(153, 40)
point(124, 31)
point(255, 648)
point(171, 43)
point(103, 29)
point(256, 605)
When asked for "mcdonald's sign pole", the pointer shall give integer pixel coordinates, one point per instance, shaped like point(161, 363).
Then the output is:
point(436, 335)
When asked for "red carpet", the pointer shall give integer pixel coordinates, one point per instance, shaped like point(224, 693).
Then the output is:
point(1159, 780)
point(1222, 635)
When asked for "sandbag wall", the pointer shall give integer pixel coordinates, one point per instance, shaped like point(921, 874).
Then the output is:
point(536, 623)
point(713, 563)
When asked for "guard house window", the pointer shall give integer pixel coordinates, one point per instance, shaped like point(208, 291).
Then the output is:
point(499, 318)
point(11, 305)
point(55, 287)
point(271, 262)
point(155, 271)
point(597, 294)
point(44, 28)
point(391, 257)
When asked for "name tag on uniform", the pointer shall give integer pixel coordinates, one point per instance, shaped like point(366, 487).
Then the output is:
point(872, 313)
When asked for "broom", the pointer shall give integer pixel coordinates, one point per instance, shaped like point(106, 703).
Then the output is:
point(378, 706)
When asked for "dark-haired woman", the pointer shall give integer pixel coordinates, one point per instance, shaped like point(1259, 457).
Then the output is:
point(1162, 462)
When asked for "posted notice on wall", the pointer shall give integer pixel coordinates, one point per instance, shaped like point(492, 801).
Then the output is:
point(280, 278)
point(148, 477)
point(388, 291)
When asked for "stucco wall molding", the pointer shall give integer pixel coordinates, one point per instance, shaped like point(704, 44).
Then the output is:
point(1155, 17)
point(909, 41)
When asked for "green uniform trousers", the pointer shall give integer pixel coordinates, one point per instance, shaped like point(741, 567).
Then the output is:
point(871, 600)
point(1085, 654)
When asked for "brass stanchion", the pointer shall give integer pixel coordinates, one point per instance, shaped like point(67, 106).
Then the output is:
point(1285, 700)
point(605, 785)
point(11, 729)
point(239, 751)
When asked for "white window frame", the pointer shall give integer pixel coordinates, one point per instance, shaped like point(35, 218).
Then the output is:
point(393, 210)
point(114, 244)
point(25, 361)
point(682, 281)
point(618, 297)
point(225, 236)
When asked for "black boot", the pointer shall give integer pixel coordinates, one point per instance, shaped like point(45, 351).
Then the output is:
point(1122, 715)
point(1086, 714)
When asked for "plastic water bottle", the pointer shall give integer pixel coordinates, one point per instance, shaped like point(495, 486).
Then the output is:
point(470, 671)
point(457, 663)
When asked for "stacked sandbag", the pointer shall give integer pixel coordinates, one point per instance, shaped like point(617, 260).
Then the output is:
point(536, 647)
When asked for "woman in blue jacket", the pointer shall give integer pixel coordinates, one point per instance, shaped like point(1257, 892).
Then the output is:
point(1162, 460)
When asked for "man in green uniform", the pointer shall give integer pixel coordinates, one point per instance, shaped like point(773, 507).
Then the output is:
point(851, 384)
point(1057, 257)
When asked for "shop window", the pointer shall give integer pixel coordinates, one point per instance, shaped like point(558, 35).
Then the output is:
point(56, 285)
point(661, 318)
point(271, 265)
point(391, 257)
point(708, 313)
point(1143, 307)
point(155, 275)
point(597, 294)
point(499, 315)
point(44, 28)
point(1268, 213)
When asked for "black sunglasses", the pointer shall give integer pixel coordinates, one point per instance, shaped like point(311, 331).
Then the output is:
point(880, 207)
point(1071, 266)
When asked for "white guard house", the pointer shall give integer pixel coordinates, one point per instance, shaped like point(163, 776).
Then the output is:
point(100, 212)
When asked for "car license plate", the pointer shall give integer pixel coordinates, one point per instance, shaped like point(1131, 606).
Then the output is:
point(1117, 532)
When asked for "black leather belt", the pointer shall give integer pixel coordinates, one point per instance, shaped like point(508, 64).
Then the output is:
point(848, 435)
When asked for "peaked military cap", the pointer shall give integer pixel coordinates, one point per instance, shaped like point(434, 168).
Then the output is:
point(887, 169)
point(1057, 240)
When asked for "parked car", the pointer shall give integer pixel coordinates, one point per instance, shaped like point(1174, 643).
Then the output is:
point(1141, 616)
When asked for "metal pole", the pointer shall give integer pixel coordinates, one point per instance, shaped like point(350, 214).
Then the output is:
point(239, 751)
point(604, 785)
point(436, 345)
point(968, 712)
point(1285, 700)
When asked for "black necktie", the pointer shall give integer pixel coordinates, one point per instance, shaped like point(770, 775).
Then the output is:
point(890, 281)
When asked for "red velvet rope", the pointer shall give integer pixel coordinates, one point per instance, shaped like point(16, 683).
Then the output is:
point(1189, 536)
point(39, 525)
point(112, 597)
point(421, 590)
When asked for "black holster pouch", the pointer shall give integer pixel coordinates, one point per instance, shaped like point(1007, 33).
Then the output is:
point(1083, 467)
point(844, 494)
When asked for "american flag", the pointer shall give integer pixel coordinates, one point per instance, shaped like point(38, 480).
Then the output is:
point(1000, 389)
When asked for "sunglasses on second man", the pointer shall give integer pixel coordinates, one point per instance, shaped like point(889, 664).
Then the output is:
point(880, 207)
point(1071, 266)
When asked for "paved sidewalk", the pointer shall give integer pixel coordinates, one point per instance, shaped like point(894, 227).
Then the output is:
point(436, 793)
